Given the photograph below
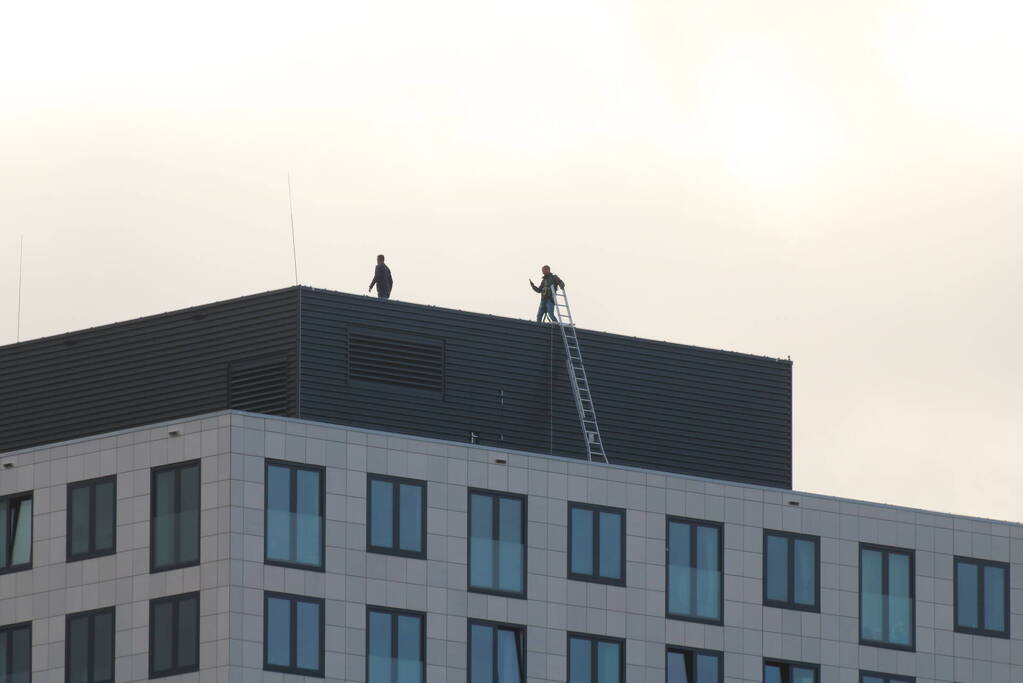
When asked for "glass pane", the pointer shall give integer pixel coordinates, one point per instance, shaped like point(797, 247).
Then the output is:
point(163, 519)
point(381, 502)
point(77, 643)
point(481, 656)
point(163, 619)
point(581, 531)
point(802, 674)
point(410, 669)
point(806, 572)
point(308, 636)
point(708, 573)
point(676, 668)
point(3, 634)
point(481, 547)
point(508, 669)
point(105, 513)
point(410, 533)
point(102, 648)
point(21, 551)
point(189, 549)
point(777, 568)
point(900, 605)
point(966, 595)
point(278, 632)
point(680, 598)
point(379, 647)
point(21, 655)
point(772, 673)
point(278, 513)
point(872, 679)
point(3, 533)
point(610, 545)
point(608, 662)
point(309, 524)
point(871, 599)
point(188, 632)
point(708, 669)
point(994, 598)
point(579, 661)
point(79, 520)
point(510, 547)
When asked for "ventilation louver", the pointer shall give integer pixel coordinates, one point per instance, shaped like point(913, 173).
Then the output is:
point(397, 361)
point(259, 385)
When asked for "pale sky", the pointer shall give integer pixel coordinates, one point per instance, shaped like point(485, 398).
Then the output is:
point(839, 182)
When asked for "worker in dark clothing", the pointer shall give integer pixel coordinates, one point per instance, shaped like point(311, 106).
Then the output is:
point(546, 291)
point(382, 279)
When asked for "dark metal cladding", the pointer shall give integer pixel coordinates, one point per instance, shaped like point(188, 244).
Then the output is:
point(407, 368)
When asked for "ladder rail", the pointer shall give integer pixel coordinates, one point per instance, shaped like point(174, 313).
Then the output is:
point(577, 377)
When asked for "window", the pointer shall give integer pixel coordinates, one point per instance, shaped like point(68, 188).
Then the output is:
point(397, 508)
point(982, 597)
point(16, 532)
point(595, 660)
point(89, 647)
point(395, 642)
point(789, 672)
point(495, 653)
point(16, 653)
point(871, 677)
point(293, 634)
point(175, 527)
point(694, 570)
point(596, 543)
point(174, 635)
point(91, 525)
point(791, 570)
point(294, 515)
point(886, 597)
point(694, 666)
point(497, 542)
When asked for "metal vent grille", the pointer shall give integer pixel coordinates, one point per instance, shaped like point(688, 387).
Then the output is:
point(396, 361)
point(259, 385)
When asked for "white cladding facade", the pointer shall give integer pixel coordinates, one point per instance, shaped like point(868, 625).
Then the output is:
point(232, 575)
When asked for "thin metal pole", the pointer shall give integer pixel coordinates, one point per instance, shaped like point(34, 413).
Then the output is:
point(21, 267)
point(291, 212)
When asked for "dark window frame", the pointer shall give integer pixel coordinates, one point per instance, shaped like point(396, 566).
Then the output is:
point(394, 614)
point(176, 600)
point(7, 535)
point(91, 615)
point(293, 601)
point(786, 675)
point(520, 641)
point(981, 564)
point(91, 484)
point(791, 578)
point(395, 483)
point(595, 577)
point(885, 627)
point(9, 629)
point(292, 492)
point(887, 678)
point(690, 658)
point(594, 640)
point(495, 497)
point(153, 569)
point(692, 554)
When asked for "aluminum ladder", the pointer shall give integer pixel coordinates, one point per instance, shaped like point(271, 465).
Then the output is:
point(577, 376)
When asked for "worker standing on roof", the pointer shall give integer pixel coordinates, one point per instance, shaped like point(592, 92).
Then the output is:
point(382, 279)
point(546, 290)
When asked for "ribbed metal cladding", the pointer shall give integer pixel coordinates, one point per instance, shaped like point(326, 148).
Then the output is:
point(406, 368)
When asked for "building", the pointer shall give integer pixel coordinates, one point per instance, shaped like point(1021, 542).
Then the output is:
point(311, 484)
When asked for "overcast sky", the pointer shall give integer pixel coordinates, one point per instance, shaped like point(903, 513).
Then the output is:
point(839, 182)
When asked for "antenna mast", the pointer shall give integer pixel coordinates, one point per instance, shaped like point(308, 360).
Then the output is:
point(21, 267)
point(291, 212)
